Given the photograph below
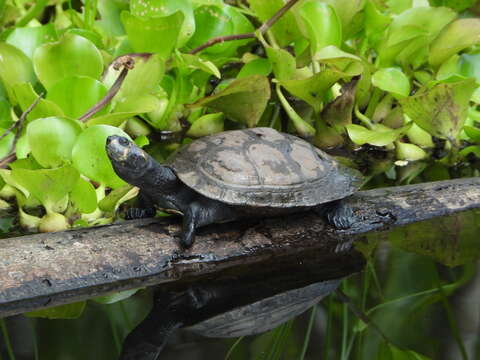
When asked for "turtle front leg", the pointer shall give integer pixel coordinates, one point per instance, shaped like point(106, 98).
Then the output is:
point(190, 219)
point(338, 213)
point(204, 212)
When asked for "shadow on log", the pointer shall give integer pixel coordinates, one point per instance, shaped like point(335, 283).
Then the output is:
point(56, 268)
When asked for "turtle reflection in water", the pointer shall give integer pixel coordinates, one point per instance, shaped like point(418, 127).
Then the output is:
point(229, 310)
point(237, 174)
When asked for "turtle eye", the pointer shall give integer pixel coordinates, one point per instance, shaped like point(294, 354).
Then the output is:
point(123, 141)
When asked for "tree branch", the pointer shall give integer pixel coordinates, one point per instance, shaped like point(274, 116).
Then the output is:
point(17, 125)
point(127, 63)
point(262, 30)
point(50, 269)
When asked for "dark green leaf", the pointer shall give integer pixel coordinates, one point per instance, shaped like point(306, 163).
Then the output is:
point(441, 110)
point(244, 100)
point(283, 63)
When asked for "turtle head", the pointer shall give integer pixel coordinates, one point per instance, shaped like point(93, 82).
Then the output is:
point(128, 160)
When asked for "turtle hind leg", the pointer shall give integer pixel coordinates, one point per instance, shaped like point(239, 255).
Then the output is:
point(338, 213)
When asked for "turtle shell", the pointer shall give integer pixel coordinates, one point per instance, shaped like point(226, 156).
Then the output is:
point(265, 314)
point(263, 167)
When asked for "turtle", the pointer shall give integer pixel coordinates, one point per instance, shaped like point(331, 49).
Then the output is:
point(220, 312)
point(236, 174)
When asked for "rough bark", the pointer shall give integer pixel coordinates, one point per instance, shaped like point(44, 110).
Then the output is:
point(43, 270)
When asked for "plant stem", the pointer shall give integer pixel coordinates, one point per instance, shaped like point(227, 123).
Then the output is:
point(18, 125)
point(232, 348)
point(261, 30)
point(34, 11)
point(309, 332)
point(6, 338)
point(128, 63)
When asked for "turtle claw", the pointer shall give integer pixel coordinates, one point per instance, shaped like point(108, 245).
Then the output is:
point(139, 213)
point(338, 214)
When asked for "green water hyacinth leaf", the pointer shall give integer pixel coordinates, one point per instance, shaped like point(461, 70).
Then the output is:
point(419, 137)
point(441, 110)
point(196, 62)
point(90, 158)
point(340, 60)
point(26, 95)
point(126, 109)
point(68, 311)
point(112, 201)
point(213, 21)
point(410, 34)
point(160, 8)
point(51, 140)
point(322, 24)
point(459, 35)
point(5, 114)
point(285, 30)
point(6, 143)
point(244, 100)
point(142, 79)
point(472, 132)
point(283, 63)
point(49, 186)
point(303, 128)
point(206, 125)
point(392, 80)
point(71, 55)
point(410, 152)
point(313, 89)
point(67, 92)
point(378, 136)
point(375, 23)
point(15, 67)
point(83, 196)
point(259, 66)
point(155, 34)
point(28, 39)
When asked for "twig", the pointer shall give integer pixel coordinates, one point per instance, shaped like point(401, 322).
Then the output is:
point(262, 30)
point(17, 125)
point(359, 313)
point(126, 62)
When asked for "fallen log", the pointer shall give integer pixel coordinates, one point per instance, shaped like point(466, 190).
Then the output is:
point(42, 270)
